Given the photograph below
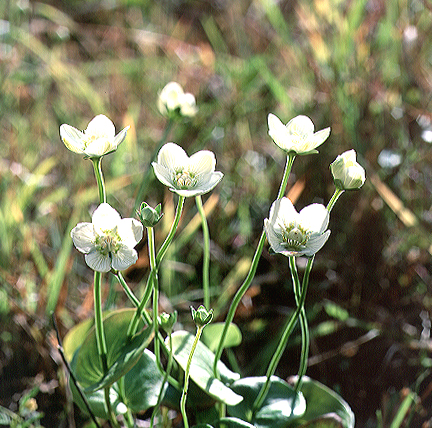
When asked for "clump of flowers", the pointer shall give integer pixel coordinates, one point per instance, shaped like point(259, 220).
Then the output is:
point(184, 175)
point(97, 140)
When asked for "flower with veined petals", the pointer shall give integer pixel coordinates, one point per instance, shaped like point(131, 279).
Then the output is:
point(297, 136)
point(97, 140)
point(184, 175)
point(108, 241)
point(347, 173)
point(296, 234)
point(173, 101)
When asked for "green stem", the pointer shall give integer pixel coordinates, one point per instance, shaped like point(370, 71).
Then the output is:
point(128, 291)
point(334, 198)
point(206, 255)
point(150, 280)
point(97, 166)
point(303, 324)
point(186, 382)
point(99, 328)
point(252, 270)
point(289, 327)
point(142, 188)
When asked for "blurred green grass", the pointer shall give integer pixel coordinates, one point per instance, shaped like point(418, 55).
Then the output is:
point(363, 68)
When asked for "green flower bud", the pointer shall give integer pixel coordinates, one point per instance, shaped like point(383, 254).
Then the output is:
point(149, 216)
point(201, 316)
point(347, 173)
point(167, 321)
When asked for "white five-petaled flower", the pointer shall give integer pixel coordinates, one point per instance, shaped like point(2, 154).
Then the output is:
point(348, 174)
point(297, 136)
point(97, 140)
point(173, 100)
point(108, 241)
point(184, 175)
point(296, 234)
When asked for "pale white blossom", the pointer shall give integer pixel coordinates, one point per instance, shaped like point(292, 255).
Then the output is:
point(97, 140)
point(108, 241)
point(296, 234)
point(348, 174)
point(173, 101)
point(297, 136)
point(184, 175)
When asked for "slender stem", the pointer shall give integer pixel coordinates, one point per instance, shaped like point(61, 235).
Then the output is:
point(128, 291)
point(110, 411)
point(97, 166)
point(252, 270)
point(289, 327)
point(150, 281)
point(145, 180)
point(334, 198)
point(186, 382)
point(206, 255)
point(303, 325)
point(99, 328)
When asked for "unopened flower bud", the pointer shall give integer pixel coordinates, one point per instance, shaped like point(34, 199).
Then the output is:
point(149, 216)
point(201, 316)
point(347, 173)
point(167, 321)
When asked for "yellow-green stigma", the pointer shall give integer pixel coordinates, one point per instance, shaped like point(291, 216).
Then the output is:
point(294, 236)
point(184, 179)
point(109, 242)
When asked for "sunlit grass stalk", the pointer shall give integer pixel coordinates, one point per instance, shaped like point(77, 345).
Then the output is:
point(206, 252)
point(150, 281)
point(303, 323)
point(252, 270)
point(289, 327)
point(146, 178)
point(187, 373)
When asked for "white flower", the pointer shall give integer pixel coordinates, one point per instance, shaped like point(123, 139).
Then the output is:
point(173, 100)
point(108, 241)
point(97, 140)
point(348, 174)
point(184, 175)
point(296, 234)
point(297, 136)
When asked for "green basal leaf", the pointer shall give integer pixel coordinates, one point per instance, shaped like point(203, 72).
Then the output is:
point(201, 371)
point(122, 354)
point(232, 423)
point(325, 408)
point(212, 333)
point(281, 405)
point(75, 337)
point(143, 383)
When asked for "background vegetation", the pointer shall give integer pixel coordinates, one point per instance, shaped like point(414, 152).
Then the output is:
point(362, 67)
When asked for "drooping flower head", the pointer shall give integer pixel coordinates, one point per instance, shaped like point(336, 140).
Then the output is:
point(173, 101)
point(108, 241)
point(347, 173)
point(297, 136)
point(184, 175)
point(97, 140)
point(296, 234)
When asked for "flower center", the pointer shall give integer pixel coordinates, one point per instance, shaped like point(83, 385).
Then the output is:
point(294, 236)
point(109, 242)
point(184, 179)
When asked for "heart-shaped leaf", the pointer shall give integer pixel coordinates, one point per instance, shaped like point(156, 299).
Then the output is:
point(324, 408)
point(201, 371)
point(212, 333)
point(122, 353)
point(280, 407)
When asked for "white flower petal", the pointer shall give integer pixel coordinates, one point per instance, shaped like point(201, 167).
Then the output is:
point(277, 131)
point(124, 258)
point(163, 174)
point(273, 238)
point(99, 147)
point(130, 231)
point(202, 162)
point(101, 126)
point(315, 243)
point(105, 218)
point(72, 138)
point(83, 237)
point(98, 262)
point(300, 126)
point(315, 218)
point(318, 138)
point(119, 138)
point(172, 157)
